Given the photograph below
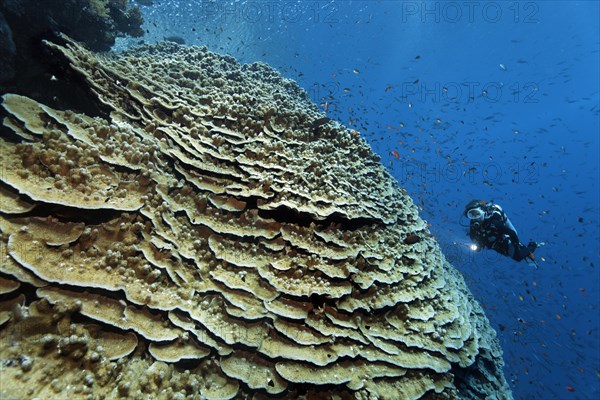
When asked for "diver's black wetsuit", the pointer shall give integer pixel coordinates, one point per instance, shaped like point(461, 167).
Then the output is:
point(496, 232)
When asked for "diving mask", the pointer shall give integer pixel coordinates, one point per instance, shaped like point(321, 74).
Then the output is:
point(475, 213)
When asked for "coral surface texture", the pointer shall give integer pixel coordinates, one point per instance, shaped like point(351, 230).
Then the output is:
point(211, 235)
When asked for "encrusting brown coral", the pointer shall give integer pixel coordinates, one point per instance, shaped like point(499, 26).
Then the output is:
point(205, 240)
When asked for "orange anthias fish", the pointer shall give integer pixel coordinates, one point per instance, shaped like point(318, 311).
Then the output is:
point(395, 154)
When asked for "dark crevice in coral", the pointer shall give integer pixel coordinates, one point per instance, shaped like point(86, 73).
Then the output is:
point(70, 214)
point(318, 301)
point(251, 203)
point(78, 318)
point(302, 390)
point(8, 134)
point(470, 382)
point(286, 215)
point(187, 365)
point(197, 172)
point(26, 289)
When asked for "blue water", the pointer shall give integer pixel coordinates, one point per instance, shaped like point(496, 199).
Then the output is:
point(489, 100)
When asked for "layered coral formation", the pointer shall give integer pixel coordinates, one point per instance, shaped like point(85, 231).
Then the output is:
point(208, 240)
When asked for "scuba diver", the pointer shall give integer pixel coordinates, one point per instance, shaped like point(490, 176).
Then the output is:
point(490, 228)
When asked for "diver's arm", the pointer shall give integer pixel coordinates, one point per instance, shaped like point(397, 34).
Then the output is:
point(509, 225)
point(510, 230)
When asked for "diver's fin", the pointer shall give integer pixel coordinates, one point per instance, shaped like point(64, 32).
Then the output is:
point(530, 259)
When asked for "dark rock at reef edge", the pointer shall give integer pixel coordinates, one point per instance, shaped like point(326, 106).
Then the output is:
point(8, 51)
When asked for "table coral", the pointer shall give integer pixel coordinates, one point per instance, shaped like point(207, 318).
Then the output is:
point(203, 239)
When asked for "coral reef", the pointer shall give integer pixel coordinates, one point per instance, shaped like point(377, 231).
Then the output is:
point(205, 239)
